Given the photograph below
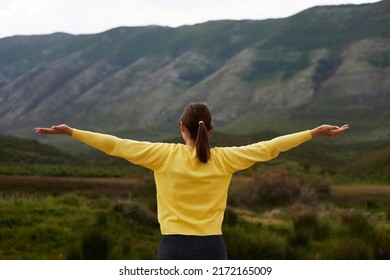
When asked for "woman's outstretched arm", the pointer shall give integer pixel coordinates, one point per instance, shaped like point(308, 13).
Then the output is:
point(142, 153)
point(239, 158)
point(322, 130)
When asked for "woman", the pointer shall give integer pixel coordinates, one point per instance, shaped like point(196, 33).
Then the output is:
point(192, 180)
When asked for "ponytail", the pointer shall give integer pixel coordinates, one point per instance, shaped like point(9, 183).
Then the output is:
point(196, 118)
point(202, 143)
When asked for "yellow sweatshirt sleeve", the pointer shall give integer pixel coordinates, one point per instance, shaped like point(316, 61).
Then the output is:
point(149, 155)
point(239, 158)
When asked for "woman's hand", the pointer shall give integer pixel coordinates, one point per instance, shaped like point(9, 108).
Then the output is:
point(329, 130)
point(56, 129)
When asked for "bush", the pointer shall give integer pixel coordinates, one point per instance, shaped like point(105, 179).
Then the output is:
point(71, 200)
point(270, 188)
point(230, 217)
point(382, 244)
point(308, 196)
point(357, 223)
point(253, 245)
point(307, 226)
point(351, 249)
point(304, 224)
point(241, 192)
point(135, 212)
point(276, 187)
point(95, 245)
point(321, 185)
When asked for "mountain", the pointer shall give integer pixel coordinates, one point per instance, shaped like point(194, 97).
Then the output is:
point(326, 64)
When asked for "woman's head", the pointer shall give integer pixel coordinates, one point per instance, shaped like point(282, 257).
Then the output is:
point(197, 120)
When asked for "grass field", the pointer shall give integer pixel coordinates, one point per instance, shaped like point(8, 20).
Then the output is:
point(95, 218)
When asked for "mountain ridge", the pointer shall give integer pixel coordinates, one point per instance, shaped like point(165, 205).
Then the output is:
point(325, 64)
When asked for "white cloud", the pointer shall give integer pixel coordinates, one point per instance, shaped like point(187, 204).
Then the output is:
point(91, 16)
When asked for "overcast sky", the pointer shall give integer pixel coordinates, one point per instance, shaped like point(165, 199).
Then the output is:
point(27, 17)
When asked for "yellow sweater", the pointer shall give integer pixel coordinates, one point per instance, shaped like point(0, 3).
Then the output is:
point(191, 196)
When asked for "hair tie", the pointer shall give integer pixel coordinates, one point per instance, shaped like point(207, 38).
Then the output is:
point(200, 122)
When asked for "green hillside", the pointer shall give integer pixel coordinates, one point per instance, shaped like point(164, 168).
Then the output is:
point(16, 150)
point(29, 157)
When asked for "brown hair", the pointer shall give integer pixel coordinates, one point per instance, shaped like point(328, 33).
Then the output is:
point(196, 117)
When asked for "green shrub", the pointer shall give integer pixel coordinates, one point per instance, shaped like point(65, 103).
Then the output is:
point(357, 223)
point(308, 226)
point(352, 249)
point(253, 245)
point(304, 224)
point(95, 245)
point(135, 212)
point(381, 244)
point(230, 217)
point(70, 199)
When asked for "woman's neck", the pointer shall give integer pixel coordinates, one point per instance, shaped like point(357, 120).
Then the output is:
point(190, 142)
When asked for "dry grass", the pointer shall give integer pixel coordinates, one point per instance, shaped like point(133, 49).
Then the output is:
point(88, 187)
point(272, 217)
point(361, 192)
